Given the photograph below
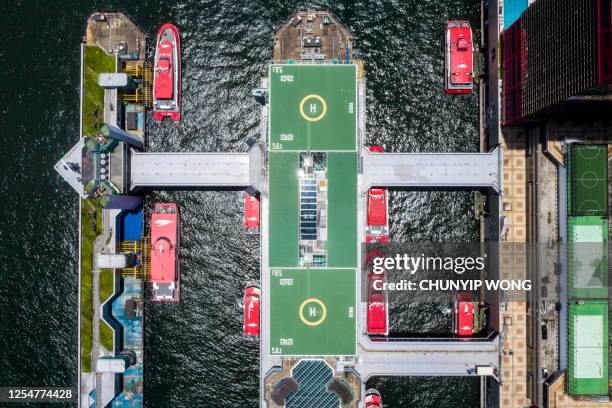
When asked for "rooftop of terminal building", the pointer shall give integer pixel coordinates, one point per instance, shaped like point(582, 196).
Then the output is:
point(312, 35)
point(114, 32)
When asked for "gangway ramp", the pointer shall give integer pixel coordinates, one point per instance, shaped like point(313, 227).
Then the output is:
point(193, 170)
point(461, 171)
point(428, 358)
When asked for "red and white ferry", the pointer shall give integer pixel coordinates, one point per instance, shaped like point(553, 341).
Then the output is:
point(373, 399)
point(459, 58)
point(250, 329)
point(378, 303)
point(164, 274)
point(377, 227)
point(251, 213)
point(167, 75)
point(463, 315)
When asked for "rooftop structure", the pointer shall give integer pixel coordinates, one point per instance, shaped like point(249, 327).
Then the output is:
point(114, 32)
point(313, 35)
point(319, 174)
point(111, 241)
point(312, 179)
point(557, 61)
point(552, 72)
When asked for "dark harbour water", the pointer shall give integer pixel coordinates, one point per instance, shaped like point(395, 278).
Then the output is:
point(195, 356)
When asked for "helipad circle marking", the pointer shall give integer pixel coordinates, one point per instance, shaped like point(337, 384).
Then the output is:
point(323, 315)
point(320, 115)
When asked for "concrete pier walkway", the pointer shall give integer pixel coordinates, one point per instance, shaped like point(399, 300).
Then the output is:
point(432, 170)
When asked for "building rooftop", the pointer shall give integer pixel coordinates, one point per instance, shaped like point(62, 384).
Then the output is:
point(115, 32)
point(312, 35)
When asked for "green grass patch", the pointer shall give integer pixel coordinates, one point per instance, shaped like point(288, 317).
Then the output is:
point(106, 284)
point(89, 210)
point(95, 61)
point(107, 289)
point(106, 335)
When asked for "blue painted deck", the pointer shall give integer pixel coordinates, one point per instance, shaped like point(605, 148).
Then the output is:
point(131, 225)
point(513, 10)
point(92, 398)
point(132, 340)
point(128, 330)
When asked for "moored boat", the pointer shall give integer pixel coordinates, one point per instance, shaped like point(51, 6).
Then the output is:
point(378, 303)
point(250, 329)
point(463, 315)
point(469, 317)
point(164, 274)
point(377, 226)
point(373, 399)
point(459, 58)
point(167, 75)
point(251, 212)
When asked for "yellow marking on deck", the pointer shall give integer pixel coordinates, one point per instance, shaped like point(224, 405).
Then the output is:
point(323, 106)
point(323, 314)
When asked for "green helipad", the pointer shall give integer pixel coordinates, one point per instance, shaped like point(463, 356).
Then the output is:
point(313, 107)
point(312, 193)
point(312, 312)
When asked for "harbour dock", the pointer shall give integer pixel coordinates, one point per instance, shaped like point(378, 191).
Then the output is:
point(310, 164)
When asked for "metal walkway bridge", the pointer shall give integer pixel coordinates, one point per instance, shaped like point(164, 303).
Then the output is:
point(197, 170)
point(434, 358)
point(241, 170)
point(432, 170)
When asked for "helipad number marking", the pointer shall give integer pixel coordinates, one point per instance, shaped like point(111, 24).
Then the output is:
point(312, 312)
point(313, 108)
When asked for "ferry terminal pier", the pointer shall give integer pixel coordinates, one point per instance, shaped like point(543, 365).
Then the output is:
point(312, 138)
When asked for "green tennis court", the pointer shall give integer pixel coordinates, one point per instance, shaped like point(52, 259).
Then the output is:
point(313, 107)
point(588, 179)
point(587, 249)
point(588, 357)
point(312, 312)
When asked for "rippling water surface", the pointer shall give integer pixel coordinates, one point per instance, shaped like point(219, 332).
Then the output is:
point(195, 355)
